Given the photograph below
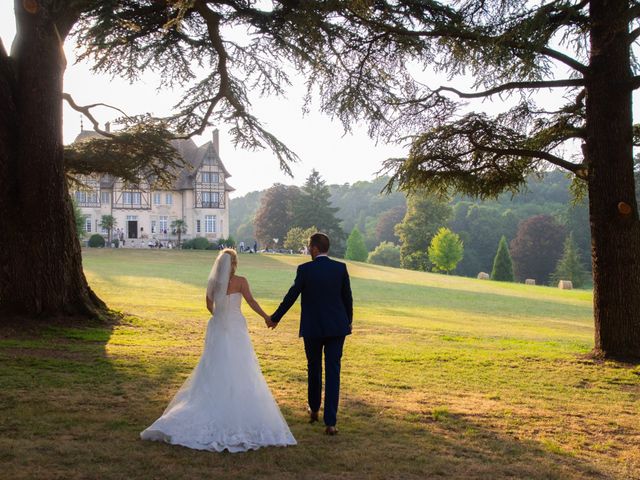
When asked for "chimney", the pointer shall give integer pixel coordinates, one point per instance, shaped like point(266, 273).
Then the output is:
point(107, 127)
point(215, 140)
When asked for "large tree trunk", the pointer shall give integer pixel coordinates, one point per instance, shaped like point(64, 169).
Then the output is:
point(41, 265)
point(615, 229)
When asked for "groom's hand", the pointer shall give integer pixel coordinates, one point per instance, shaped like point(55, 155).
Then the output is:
point(269, 323)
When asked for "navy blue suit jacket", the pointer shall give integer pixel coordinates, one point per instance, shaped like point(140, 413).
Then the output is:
point(327, 305)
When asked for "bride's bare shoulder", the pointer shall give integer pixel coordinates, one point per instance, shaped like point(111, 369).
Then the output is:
point(238, 280)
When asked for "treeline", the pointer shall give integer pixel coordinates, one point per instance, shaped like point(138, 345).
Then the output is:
point(538, 225)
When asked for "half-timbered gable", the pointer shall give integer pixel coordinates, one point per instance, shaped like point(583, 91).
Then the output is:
point(210, 181)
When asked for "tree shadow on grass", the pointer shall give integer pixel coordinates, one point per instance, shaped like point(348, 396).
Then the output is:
point(72, 408)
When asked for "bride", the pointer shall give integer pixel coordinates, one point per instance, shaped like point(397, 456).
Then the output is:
point(225, 403)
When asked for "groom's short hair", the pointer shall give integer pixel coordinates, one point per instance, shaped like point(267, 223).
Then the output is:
point(321, 241)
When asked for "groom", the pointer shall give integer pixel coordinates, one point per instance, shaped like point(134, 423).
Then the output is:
point(327, 312)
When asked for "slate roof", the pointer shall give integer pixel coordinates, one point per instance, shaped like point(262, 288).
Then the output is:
point(193, 155)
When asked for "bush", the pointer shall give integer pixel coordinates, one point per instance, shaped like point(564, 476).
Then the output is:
point(201, 243)
point(96, 241)
point(386, 254)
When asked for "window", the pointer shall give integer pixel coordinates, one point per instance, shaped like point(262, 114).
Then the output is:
point(132, 198)
point(198, 226)
point(210, 224)
point(105, 198)
point(86, 196)
point(157, 198)
point(210, 177)
point(153, 226)
point(169, 199)
point(210, 199)
point(87, 223)
point(164, 224)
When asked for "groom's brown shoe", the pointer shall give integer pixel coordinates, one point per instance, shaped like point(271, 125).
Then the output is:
point(331, 431)
point(313, 416)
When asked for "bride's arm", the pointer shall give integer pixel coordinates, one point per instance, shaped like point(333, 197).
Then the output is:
point(210, 305)
point(246, 293)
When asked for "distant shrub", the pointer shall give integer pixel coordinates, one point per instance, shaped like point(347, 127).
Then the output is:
point(200, 243)
point(386, 254)
point(96, 241)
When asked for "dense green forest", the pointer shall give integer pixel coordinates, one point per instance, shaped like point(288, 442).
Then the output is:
point(480, 224)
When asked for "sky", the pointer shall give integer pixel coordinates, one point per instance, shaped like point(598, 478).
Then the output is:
point(319, 141)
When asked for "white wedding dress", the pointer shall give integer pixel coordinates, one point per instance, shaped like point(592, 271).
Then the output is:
point(225, 403)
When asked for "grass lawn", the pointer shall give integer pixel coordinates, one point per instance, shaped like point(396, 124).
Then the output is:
point(444, 377)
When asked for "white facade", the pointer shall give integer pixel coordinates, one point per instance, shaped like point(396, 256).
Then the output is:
point(143, 214)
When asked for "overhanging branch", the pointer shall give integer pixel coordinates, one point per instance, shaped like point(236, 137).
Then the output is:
point(522, 152)
point(86, 111)
point(212, 19)
point(515, 86)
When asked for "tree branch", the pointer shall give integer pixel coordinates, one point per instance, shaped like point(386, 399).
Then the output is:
point(521, 152)
point(564, 58)
point(86, 111)
point(513, 86)
point(472, 36)
point(212, 19)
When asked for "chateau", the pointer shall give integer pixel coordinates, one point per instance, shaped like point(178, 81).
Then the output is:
point(199, 196)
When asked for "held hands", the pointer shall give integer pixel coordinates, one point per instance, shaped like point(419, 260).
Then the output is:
point(269, 323)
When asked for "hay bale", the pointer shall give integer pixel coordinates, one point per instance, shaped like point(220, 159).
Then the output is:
point(565, 284)
point(483, 276)
point(530, 281)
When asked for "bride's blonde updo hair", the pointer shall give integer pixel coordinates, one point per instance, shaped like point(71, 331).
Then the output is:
point(234, 259)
